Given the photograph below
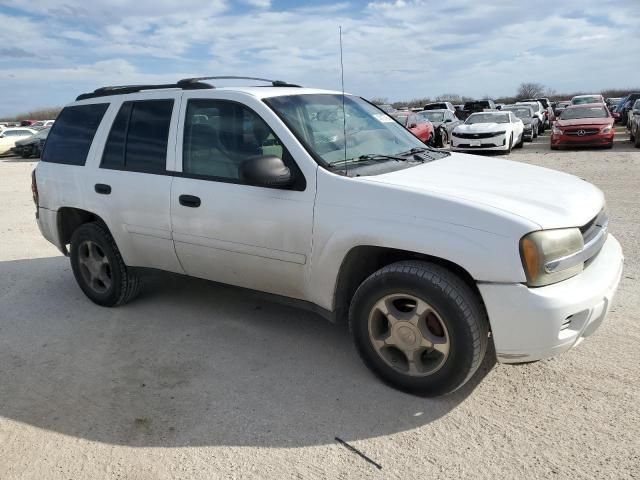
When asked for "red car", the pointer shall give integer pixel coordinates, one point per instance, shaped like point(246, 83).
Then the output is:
point(587, 125)
point(416, 124)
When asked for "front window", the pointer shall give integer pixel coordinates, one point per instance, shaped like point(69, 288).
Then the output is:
point(433, 116)
point(487, 118)
point(318, 121)
point(591, 112)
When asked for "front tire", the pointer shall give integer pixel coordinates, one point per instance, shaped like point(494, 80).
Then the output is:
point(419, 328)
point(99, 268)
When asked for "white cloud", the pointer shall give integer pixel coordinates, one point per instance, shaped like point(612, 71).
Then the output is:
point(392, 48)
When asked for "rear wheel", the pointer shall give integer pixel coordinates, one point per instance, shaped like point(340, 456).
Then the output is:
point(419, 327)
point(637, 141)
point(99, 268)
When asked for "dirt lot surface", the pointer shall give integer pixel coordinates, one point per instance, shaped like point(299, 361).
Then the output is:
point(198, 381)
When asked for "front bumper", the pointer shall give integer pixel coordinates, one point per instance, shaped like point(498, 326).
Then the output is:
point(597, 140)
point(529, 324)
point(497, 142)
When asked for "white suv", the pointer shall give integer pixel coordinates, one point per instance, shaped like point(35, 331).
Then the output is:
point(328, 202)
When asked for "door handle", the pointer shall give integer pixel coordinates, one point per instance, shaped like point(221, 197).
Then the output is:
point(189, 201)
point(102, 189)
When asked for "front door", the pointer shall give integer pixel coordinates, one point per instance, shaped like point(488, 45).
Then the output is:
point(227, 231)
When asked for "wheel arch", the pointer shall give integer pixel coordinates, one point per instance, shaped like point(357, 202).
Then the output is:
point(69, 219)
point(361, 261)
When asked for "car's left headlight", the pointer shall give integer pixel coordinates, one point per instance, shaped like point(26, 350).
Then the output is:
point(537, 249)
point(605, 129)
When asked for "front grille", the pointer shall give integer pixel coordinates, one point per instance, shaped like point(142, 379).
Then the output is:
point(581, 132)
point(483, 145)
point(476, 135)
point(591, 229)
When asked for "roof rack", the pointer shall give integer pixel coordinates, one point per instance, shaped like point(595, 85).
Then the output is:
point(184, 84)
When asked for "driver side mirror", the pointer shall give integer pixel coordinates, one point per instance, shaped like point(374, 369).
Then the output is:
point(265, 171)
point(413, 125)
point(448, 120)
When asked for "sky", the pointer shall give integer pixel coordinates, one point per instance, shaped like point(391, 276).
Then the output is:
point(50, 51)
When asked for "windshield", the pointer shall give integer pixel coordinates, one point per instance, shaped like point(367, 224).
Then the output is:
point(582, 100)
point(520, 112)
point(591, 112)
point(401, 118)
point(433, 116)
point(487, 118)
point(317, 121)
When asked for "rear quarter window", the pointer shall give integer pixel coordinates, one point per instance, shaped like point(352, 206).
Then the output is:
point(72, 133)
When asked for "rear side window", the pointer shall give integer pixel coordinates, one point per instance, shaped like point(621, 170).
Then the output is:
point(139, 136)
point(72, 134)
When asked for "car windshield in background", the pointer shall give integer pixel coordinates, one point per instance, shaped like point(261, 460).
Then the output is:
point(317, 121)
point(583, 100)
point(432, 116)
point(400, 118)
point(520, 112)
point(487, 118)
point(586, 112)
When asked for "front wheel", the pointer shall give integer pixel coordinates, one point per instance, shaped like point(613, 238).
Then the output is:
point(419, 327)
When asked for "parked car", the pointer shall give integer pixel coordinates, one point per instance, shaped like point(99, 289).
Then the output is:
point(489, 131)
point(9, 136)
point(612, 101)
point(440, 106)
point(444, 122)
point(476, 106)
point(634, 128)
point(31, 146)
point(42, 123)
point(419, 126)
point(549, 116)
point(422, 252)
point(589, 125)
point(529, 119)
point(540, 113)
point(587, 99)
point(625, 106)
point(560, 106)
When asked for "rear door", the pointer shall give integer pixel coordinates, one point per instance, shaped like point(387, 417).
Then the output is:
point(227, 231)
point(130, 185)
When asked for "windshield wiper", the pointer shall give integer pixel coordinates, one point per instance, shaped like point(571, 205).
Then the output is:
point(422, 151)
point(367, 157)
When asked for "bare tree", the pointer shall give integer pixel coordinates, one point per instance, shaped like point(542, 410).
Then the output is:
point(530, 90)
point(449, 97)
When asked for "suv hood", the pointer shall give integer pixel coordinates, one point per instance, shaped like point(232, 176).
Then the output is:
point(547, 197)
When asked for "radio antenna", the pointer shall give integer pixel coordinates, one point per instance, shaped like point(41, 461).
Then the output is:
point(344, 116)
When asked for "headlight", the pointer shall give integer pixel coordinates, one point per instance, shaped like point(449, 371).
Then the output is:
point(606, 129)
point(499, 133)
point(556, 130)
point(544, 246)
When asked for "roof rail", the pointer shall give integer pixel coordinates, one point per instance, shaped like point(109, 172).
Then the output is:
point(184, 84)
point(274, 83)
point(124, 89)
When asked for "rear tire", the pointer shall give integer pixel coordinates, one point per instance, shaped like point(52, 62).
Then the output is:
point(99, 268)
point(429, 305)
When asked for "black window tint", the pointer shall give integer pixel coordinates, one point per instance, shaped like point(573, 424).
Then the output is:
point(113, 156)
point(147, 136)
point(72, 134)
point(220, 135)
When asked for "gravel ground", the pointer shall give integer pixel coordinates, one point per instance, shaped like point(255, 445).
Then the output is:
point(198, 381)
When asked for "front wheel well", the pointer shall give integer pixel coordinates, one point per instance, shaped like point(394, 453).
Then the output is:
point(69, 219)
point(362, 261)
